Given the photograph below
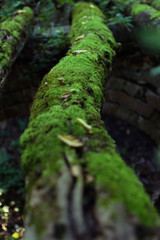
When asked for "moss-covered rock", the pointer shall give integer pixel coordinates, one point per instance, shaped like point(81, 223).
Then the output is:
point(13, 32)
point(62, 156)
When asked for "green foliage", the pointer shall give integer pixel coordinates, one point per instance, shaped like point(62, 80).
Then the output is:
point(51, 49)
point(22, 124)
point(53, 45)
point(154, 72)
point(46, 12)
point(115, 13)
point(9, 7)
point(149, 38)
point(120, 21)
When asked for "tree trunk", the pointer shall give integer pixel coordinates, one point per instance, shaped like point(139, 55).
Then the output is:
point(75, 180)
point(13, 34)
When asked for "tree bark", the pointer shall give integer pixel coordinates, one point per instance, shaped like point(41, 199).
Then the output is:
point(75, 180)
point(13, 34)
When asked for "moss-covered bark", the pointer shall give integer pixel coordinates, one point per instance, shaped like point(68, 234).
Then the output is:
point(146, 9)
point(13, 34)
point(141, 11)
point(156, 4)
point(72, 168)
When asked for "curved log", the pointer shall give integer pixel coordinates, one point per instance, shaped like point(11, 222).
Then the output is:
point(13, 35)
point(74, 175)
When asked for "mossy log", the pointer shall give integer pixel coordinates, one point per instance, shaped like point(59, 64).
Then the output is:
point(156, 4)
point(73, 172)
point(13, 34)
point(147, 32)
point(146, 22)
point(145, 15)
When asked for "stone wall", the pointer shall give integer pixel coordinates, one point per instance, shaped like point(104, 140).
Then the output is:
point(133, 93)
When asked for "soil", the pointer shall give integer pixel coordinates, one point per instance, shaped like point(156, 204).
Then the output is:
point(12, 186)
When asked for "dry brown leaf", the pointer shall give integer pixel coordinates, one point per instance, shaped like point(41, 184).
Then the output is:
point(61, 81)
point(69, 91)
point(66, 97)
point(76, 52)
point(80, 37)
point(70, 141)
point(85, 125)
point(20, 11)
point(100, 36)
point(84, 22)
point(4, 226)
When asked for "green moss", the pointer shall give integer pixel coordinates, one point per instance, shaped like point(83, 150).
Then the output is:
point(13, 29)
point(138, 8)
point(155, 15)
point(122, 185)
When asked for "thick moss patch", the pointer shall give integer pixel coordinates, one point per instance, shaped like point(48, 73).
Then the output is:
point(111, 173)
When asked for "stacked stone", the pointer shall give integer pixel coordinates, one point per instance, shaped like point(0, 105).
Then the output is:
point(134, 96)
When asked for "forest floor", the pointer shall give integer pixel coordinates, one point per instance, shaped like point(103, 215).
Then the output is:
point(136, 148)
point(12, 191)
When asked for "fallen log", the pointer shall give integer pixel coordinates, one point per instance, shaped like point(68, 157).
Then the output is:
point(13, 35)
point(156, 4)
point(146, 20)
point(146, 31)
point(74, 176)
point(145, 14)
